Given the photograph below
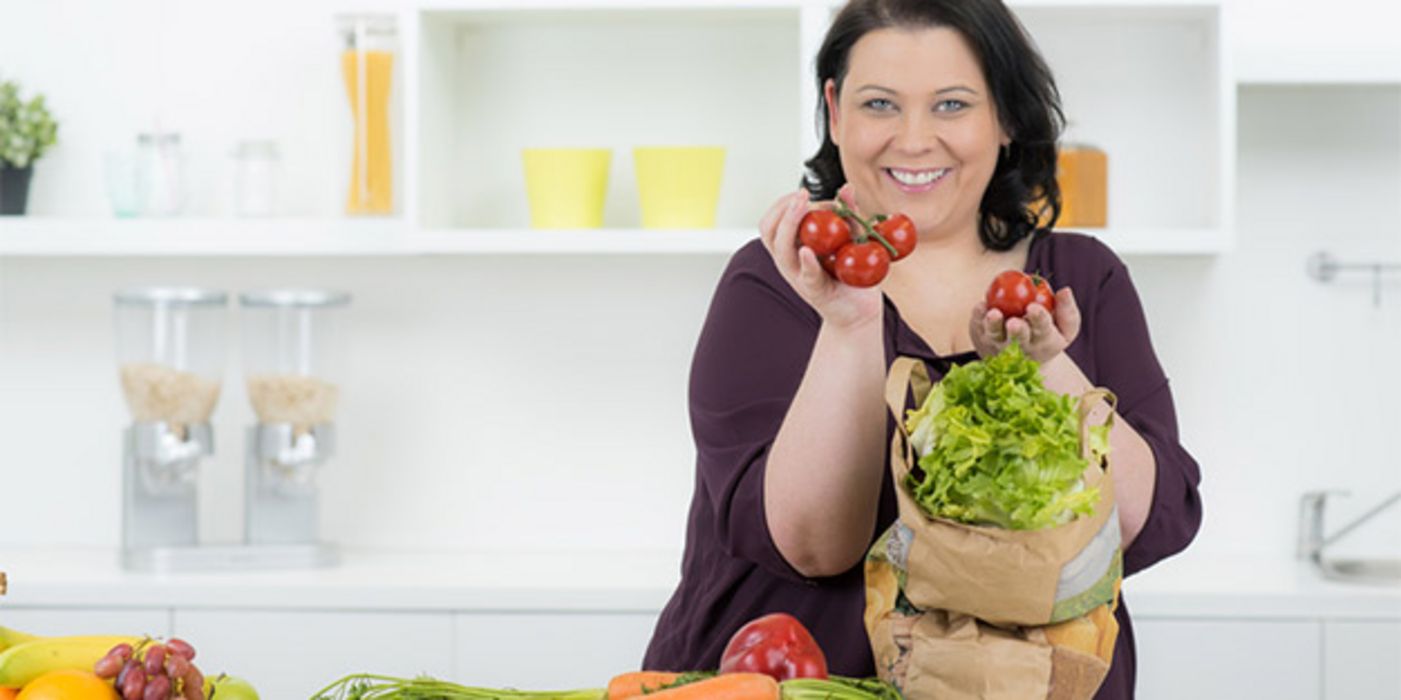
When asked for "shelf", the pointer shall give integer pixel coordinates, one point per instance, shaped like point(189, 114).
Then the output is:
point(1319, 67)
point(1165, 242)
point(41, 237)
point(491, 81)
point(335, 238)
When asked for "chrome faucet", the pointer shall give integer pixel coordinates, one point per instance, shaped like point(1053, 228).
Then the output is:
point(1311, 539)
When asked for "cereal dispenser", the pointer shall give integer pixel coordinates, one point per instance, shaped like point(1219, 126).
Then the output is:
point(170, 354)
point(288, 356)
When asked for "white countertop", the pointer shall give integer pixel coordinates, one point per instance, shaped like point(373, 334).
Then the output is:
point(600, 581)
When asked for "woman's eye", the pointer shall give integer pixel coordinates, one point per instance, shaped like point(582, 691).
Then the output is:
point(950, 106)
point(879, 104)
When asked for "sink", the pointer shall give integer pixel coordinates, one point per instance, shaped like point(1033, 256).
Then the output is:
point(1379, 571)
point(1312, 544)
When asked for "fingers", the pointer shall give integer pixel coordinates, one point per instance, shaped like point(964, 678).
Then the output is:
point(784, 247)
point(810, 272)
point(768, 224)
point(1067, 314)
point(993, 328)
point(1020, 331)
point(1042, 325)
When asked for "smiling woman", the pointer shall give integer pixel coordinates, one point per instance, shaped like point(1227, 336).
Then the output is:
point(980, 89)
point(941, 110)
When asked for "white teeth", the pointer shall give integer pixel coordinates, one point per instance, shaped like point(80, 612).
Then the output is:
point(923, 177)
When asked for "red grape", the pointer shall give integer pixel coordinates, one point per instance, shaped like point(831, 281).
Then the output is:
point(176, 665)
point(194, 684)
point(155, 659)
point(181, 647)
point(134, 687)
point(108, 666)
point(158, 688)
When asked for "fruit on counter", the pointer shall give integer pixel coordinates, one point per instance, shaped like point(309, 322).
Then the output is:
point(67, 684)
point(10, 637)
point(858, 257)
point(26, 661)
point(153, 671)
point(776, 645)
point(996, 447)
point(226, 687)
point(1012, 291)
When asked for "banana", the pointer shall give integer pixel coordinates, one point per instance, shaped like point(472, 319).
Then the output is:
point(9, 637)
point(28, 660)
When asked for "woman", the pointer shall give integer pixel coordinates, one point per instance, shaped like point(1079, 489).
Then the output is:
point(942, 110)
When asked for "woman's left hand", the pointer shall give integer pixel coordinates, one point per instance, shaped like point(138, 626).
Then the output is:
point(1042, 334)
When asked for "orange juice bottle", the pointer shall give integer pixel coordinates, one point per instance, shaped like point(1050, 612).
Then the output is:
point(367, 64)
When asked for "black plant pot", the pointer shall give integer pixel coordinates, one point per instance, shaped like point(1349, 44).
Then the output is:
point(14, 188)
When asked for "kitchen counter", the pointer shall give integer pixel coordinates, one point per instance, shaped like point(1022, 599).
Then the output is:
point(598, 581)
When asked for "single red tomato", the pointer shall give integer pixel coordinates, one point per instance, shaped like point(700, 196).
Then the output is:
point(824, 231)
point(1010, 292)
point(899, 232)
point(777, 645)
point(863, 264)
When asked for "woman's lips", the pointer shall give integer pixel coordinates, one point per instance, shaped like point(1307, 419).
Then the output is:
point(917, 181)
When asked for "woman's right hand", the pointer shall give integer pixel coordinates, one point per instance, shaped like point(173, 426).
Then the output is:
point(838, 304)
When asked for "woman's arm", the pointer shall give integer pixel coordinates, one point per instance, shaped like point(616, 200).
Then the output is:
point(825, 469)
point(1134, 464)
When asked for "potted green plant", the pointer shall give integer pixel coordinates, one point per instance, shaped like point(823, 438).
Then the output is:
point(27, 130)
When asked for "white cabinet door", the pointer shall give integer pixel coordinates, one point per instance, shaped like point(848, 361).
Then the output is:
point(1228, 659)
point(1362, 660)
point(287, 654)
point(82, 621)
point(549, 651)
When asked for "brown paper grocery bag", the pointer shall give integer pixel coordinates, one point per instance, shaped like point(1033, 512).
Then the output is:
point(950, 656)
point(1005, 577)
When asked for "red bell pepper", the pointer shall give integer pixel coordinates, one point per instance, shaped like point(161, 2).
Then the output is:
point(777, 645)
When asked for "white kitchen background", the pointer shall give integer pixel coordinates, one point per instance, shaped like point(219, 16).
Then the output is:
point(528, 402)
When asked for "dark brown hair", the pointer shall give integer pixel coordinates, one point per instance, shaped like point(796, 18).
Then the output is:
point(1022, 87)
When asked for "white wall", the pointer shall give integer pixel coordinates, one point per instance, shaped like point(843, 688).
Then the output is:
point(496, 402)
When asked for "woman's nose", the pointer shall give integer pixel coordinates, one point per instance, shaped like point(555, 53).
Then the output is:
point(916, 133)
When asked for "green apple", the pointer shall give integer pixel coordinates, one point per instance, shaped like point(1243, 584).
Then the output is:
point(226, 687)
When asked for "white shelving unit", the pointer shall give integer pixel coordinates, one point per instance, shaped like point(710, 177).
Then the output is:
point(481, 79)
point(1365, 66)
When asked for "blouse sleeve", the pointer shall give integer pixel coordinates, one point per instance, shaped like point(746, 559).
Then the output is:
point(750, 359)
point(1129, 367)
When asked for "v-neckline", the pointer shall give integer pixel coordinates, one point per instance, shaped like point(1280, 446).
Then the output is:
point(908, 342)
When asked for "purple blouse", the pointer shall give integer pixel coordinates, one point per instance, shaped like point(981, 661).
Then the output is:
point(749, 361)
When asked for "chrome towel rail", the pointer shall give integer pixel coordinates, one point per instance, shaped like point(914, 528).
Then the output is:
point(1323, 267)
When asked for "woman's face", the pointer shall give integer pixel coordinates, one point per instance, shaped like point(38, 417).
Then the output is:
point(916, 127)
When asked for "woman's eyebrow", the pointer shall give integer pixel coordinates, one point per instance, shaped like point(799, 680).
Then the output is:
point(941, 91)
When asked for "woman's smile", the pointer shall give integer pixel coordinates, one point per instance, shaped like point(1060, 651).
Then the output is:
point(917, 181)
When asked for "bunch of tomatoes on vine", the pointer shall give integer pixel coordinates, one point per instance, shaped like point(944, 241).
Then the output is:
point(858, 255)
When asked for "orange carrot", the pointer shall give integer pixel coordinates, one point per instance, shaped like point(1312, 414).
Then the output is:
point(635, 683)
point(726, 686)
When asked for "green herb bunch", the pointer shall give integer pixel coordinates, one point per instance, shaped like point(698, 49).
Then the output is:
point(27, 130)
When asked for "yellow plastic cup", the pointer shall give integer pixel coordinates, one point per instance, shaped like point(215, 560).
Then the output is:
point(679, 186)
point(566, 186)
